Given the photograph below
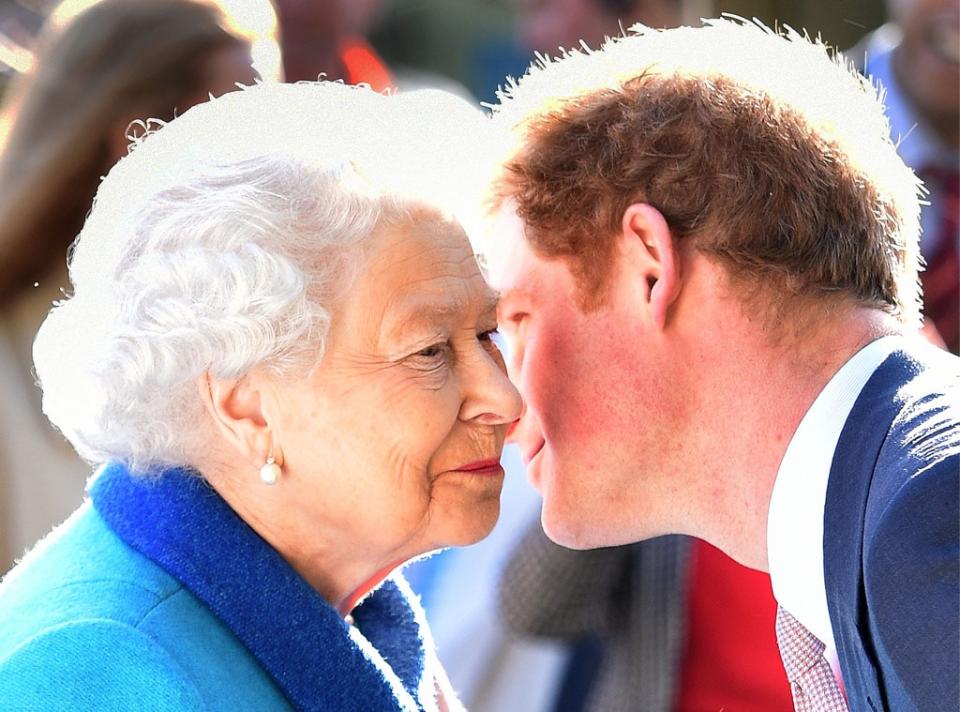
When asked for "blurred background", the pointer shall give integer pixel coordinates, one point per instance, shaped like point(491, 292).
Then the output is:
point(520, 623)
point(477, 42)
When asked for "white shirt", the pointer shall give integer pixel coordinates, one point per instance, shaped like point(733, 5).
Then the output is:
point(795, 519)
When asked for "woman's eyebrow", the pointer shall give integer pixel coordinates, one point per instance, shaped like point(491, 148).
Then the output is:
point(420, 311)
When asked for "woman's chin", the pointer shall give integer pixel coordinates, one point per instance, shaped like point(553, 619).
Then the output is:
point(473, 526)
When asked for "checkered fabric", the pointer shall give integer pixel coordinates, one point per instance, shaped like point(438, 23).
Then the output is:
point(814, 687)
point(632, 596)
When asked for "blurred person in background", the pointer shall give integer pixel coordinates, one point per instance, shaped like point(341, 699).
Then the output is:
point(325, 38)
point(328, 38)
point(916, 58)
point(19, 24)
point(547, 25)
point(98, 67)
point(428, 41)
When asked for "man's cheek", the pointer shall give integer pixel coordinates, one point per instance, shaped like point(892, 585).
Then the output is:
point(552, 394)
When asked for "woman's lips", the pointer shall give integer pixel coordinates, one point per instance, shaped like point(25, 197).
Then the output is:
point(482, 467)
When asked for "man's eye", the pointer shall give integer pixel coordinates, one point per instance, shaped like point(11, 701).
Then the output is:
point(487, 335)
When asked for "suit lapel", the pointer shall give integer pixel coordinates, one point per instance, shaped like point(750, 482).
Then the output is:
point(851, 475)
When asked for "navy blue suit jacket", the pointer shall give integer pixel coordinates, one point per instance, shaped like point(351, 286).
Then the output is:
point(892, 538)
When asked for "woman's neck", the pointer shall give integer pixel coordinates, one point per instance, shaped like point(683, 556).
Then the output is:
point(341, 574)
point(350, 601)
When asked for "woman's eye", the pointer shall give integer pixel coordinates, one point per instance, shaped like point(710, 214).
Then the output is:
point(432, 351)
point(487, 335)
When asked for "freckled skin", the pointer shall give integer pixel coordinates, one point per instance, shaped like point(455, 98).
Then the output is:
point(371, 439)
point(593, 396)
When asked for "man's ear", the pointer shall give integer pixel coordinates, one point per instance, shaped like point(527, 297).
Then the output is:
point(653, 258)
point(236, 408)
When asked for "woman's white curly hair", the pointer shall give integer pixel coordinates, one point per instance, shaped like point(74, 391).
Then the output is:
point(219, 245)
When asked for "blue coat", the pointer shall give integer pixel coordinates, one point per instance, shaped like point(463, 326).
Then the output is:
point(156, 596)
point(892, 537)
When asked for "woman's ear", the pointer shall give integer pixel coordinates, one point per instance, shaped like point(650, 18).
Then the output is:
point(235, 407)
point(652, 258)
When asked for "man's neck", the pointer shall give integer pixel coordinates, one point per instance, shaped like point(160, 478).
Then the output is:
point(759, 394)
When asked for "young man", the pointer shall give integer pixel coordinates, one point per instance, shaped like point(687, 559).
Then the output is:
point(705, 245)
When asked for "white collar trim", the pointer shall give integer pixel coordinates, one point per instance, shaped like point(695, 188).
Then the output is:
point(795, 519)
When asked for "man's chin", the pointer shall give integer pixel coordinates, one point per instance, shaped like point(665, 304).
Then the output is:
point(566, 517)
point(575, 525)
point(570, 527)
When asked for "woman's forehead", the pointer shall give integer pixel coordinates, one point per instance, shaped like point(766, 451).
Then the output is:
point(425, 270)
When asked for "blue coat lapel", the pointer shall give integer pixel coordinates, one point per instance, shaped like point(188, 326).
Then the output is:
point(180, 523)
point(851, 476)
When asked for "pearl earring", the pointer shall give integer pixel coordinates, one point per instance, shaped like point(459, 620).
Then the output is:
point(270, 472)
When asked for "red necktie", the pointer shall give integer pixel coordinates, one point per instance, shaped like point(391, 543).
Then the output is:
point(814, 687)
point(941, 279)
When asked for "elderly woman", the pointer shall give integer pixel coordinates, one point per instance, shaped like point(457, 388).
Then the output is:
point(279, 345)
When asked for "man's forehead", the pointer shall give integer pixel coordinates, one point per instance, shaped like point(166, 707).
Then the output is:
point(510, 262)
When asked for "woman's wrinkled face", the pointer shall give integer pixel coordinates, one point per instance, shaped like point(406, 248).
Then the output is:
point(394, 440)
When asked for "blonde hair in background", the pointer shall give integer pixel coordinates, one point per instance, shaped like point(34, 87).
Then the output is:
point(98, 66)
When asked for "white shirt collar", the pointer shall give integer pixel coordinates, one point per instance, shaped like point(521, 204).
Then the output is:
point(795, 519)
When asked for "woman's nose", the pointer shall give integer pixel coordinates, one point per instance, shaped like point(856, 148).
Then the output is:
point(489, 395)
